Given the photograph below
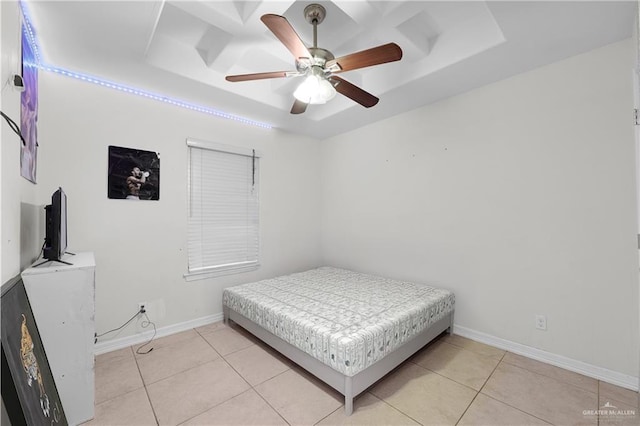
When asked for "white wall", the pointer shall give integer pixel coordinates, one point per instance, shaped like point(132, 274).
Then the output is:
point(140, 247)
point(518, 196)
point(19, 212)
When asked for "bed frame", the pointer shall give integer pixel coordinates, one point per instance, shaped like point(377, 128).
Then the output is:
point(349, 386)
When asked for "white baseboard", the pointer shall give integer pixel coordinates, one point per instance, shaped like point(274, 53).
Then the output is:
point(623, 380)
point(124, 342)
point(616, 378)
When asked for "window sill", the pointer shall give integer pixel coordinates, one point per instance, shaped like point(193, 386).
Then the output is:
point(213, 273)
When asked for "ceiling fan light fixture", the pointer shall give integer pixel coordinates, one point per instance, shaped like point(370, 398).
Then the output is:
point(315, 89)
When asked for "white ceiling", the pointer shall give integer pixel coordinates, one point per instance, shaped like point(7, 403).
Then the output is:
point(184, 49)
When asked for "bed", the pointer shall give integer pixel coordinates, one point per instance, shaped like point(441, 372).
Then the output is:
point(347, 328)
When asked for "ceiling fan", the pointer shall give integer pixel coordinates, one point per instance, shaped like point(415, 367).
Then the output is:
point(319, 66)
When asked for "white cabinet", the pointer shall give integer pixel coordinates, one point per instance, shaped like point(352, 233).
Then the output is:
point(62, 298)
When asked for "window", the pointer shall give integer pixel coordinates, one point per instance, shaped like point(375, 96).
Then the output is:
point(223, 234)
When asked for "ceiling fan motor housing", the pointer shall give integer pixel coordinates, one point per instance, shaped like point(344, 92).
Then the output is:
point(319, 57)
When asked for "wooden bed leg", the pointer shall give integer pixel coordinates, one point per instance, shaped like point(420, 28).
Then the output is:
point(450, 329)
point(348, 396)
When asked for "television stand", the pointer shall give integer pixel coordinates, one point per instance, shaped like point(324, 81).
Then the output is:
point(63, 302)
point(52, 260)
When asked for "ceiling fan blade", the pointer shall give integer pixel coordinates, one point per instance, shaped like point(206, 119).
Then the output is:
point(282, 29)
point(261, 75)
point(352, 91)
point(376, 55)
point(298, 107)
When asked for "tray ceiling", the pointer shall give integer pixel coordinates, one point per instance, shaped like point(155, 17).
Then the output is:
point(184, 49)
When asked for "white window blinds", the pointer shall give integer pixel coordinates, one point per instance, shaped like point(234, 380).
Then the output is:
point(223, 208)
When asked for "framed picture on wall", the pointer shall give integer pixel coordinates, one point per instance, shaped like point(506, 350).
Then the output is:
point(29, 391)
point(29, 111)
point(134, 174)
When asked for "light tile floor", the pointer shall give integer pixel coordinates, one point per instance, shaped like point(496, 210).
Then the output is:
point(221, 375)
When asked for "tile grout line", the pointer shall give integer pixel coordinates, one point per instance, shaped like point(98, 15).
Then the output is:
point(144, 384)
point(476, 352)
point(221, 329)
point(251, 387)
point(177, 372)
point(505, 403)
point(334, 411)
point(449, 378)
point(481, 387)
point(516, 408)
point(222, 357)
point(412, 360)
point(273, 408)
point(552, 377)
point(267, 402)
point(397, 409)
point(381, 379)
point(127, 392)
point(564, 382)
point(379, 399)
point(441, 375)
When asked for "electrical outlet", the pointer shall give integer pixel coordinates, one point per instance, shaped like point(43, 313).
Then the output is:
point(541, 322)
point(142, 307)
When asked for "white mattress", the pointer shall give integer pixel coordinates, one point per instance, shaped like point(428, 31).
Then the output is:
point(346, 320)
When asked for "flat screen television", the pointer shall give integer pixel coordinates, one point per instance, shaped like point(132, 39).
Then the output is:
point(55, 242)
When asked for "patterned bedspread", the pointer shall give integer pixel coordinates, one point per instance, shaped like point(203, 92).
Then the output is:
point(345, 319)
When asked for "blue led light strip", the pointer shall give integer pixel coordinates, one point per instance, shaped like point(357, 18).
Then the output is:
point(31, 35)
point(154, 96)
